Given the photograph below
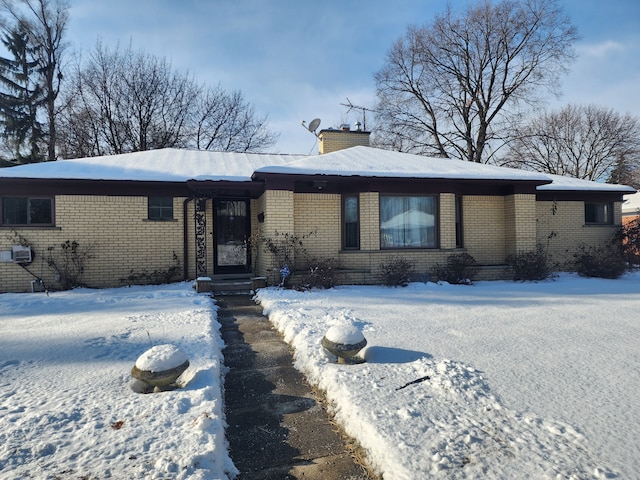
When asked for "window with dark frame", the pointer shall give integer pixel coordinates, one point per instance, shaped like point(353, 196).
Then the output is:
point(160, 208)
point(27, 211)
point(350, 222)
point(598, 213)
point(408, 221)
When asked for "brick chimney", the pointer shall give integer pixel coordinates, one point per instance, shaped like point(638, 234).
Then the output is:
point(331, 139)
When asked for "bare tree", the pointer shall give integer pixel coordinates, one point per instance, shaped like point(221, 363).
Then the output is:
point(125, 101)
point(450, 88)
point(226, 122)
point(587, 142)
point(45, 22)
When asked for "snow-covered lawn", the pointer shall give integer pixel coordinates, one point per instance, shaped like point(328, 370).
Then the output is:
point(67, 409)
point(525, 380)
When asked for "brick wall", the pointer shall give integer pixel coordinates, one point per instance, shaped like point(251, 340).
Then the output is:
point(118, 232)
point(332, 140)
point(560, 225)
point(278, 208)
point(483, 220)
point(484, 227)
point(124, 241)
point(447, 221)
point(321, 215)
point(370, 221)
point(520, 223)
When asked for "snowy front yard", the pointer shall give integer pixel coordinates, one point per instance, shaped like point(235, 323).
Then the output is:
point(66, 406)
point(525, 380)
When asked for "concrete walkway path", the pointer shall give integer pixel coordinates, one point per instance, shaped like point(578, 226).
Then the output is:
point(277, 427)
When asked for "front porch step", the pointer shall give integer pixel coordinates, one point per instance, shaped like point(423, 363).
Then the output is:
point(240, 284)
point(232, 287)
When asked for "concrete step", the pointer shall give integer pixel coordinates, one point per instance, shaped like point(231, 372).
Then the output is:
point(232, 287)
point(232, 284)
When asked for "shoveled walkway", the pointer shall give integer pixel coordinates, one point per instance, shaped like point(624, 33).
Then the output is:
point(277, 428)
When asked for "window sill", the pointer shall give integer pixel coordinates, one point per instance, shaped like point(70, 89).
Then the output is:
point(29, 227)
point(405, 249)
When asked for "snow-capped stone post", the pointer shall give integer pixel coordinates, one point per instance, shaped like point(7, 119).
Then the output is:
point(344, 341)
point(160, 366)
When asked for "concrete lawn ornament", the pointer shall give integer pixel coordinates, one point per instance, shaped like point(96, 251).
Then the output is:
point(345, 341)
point(158, 368)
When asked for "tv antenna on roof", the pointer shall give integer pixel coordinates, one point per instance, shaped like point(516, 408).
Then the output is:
point(351, 106)
point(313, 126)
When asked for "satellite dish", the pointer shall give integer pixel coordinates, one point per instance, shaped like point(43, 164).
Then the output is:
point(313, 126)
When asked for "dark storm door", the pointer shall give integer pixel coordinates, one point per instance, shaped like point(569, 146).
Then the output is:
point(231, 227)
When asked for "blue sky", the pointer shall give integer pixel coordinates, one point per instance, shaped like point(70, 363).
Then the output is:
point(297, 60)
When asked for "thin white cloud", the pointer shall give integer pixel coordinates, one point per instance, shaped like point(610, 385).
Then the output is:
point(601, 49)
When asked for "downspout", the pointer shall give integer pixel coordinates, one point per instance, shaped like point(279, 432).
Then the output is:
point(185, 239)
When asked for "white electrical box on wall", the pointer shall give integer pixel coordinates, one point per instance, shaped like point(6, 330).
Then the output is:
point(6, 256)
point(21, 254)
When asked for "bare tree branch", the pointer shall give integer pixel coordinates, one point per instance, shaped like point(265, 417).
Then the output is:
point(124, 101)
point(446, 87)
point(582, 141)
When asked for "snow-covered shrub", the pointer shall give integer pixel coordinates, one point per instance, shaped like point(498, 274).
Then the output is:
point(460, 268)
point(285, 249)
point(532, 265)
point(605, 261)
point(159, 276)
point(396, 272)
point(323, 273)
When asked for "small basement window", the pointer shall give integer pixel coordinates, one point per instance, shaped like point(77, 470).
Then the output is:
point(598, 213)
point(17, 211)
point(160, 208)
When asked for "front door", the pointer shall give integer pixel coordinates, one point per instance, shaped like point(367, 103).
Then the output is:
point(231, 227)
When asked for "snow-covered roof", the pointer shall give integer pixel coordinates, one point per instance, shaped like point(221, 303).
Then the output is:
point(166, 165)
point(576, 184)
point(178, 165)
point(373, 162)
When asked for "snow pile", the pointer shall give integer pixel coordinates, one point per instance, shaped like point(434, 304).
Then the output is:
point(344, 334)
point(160, 358)
point(496, 380)
point(67, 409)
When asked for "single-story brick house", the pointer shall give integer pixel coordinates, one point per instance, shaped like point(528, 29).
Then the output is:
point(144, 212)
